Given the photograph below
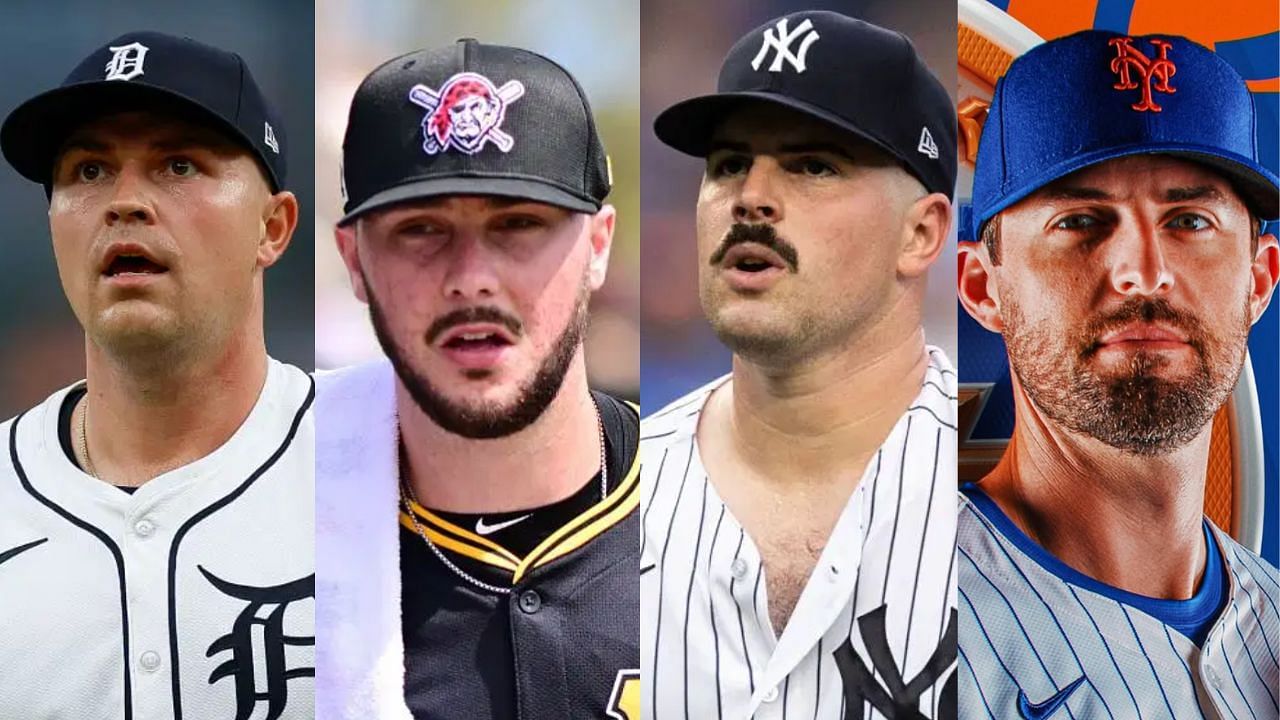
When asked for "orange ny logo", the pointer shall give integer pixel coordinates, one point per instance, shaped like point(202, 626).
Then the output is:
point(1128, 58)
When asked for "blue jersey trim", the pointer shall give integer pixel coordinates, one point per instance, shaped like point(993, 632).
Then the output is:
point(1193, 617)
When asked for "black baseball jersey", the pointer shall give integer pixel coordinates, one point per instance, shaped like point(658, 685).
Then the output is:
point(565, 642)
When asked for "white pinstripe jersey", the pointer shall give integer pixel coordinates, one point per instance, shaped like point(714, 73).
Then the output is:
point(1042, 641)
point(875, 626)
point(192, 598)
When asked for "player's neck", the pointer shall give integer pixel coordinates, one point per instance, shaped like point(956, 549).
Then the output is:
point(1130, 521)
point(810, 422)
point(145, 421)
point(543, 463)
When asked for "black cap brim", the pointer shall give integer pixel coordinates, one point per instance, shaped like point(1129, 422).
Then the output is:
point(35, 131)
point(688, 125)
point(519, 188)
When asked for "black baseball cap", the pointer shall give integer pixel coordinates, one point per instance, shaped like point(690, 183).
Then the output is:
point(472, 119)
point(857, 76)
point(147, 70)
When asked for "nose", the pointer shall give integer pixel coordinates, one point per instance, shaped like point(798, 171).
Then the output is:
point(1138, 263)
point(129, 202)
point(758, 197)
point(470, 274)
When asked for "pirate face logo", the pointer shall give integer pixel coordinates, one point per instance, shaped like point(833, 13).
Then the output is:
point(465, 113)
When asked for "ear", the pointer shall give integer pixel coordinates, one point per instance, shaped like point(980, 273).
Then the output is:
point(924, 232)
point(601, 229)
point(1265, 270)
point(348, 247)
point(279, 220)
point(976, 286)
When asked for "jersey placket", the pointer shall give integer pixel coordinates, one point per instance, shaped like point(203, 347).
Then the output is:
point(146, 535)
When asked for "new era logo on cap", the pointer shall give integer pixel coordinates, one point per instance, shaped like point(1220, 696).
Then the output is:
point(927, 146)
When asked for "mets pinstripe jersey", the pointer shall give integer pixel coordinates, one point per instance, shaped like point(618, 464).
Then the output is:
point(1043, 641)
point(874, 632)
point(193, 597)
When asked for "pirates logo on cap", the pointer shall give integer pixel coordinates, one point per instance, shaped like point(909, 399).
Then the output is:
point(465, 113)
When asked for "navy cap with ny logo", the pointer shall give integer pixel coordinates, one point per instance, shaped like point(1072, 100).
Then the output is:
point(147, 71)
point(472, 119)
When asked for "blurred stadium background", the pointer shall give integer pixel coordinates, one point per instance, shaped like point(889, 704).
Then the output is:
point(682, 46)
point(598, 42)
point(40, 42)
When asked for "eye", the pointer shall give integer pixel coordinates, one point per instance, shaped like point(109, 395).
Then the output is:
point(182, 167)
point(815, 167)
point(1078, 221)
point(1188, 221)
point(729, 165)
point(517, 223)
point(419, 230)
point(88, 171)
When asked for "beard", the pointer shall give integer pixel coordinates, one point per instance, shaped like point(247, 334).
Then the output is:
point(486, 420)
point(1135, 409)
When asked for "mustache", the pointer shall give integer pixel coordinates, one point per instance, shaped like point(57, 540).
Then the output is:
point(761, 234)
point(1144, 310)
point(463, 316)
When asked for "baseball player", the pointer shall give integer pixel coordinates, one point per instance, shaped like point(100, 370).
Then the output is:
point(1117, 196)
point(477, 501)
point(798, 533)
point(156, 531)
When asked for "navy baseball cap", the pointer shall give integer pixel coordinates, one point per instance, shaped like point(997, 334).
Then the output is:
point(857, 76)
point(1094, 96)
point(471, 119)
point(145, 70)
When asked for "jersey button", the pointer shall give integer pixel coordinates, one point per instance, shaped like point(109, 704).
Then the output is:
point(150, 661)
point(144, 528)
point(530, 602)
point(770, 695)
point(739, 568)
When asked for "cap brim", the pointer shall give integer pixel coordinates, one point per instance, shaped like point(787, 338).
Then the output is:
point(688, 125)
point(519, 188)
point(35, 131)
point(1258, 186)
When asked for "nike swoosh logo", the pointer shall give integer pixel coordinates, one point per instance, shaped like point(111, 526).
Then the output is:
point(1042, 710)
point(484, 529)
point(11, 554)
point(644, 570)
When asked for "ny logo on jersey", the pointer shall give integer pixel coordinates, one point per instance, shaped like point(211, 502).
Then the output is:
point(897, 699)
point(126, 62)
point(781, 44)
point(262, 619)
point(1128, 58)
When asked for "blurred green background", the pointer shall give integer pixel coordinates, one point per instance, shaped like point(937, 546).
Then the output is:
point(598, 42)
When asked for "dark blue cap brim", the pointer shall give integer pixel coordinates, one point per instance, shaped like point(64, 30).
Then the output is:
point(688, 125)
point(533, 189)
point(35, 131)
point(1259, 187)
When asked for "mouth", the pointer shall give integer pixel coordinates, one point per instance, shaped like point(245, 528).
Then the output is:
point(476, 337)
point(752, 258)
point(1144, 335)
point(127, 260)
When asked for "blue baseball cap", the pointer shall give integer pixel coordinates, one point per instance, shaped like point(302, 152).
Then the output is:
point(1094, 96)
point(146, 70)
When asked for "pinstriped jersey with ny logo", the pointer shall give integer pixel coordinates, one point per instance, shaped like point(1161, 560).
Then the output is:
point(874, 632)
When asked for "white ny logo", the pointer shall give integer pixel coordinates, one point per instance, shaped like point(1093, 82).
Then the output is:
point(781, 43)
point(126, 63)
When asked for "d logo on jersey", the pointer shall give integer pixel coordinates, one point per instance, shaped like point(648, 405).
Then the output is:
point(624, 702)
point(265, 610)
point(897, 699)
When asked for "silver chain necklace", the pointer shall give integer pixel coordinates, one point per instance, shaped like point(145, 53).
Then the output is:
point(409, 498)
point(84, 438)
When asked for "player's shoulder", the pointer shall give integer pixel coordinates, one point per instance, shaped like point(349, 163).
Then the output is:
point(936, 402)
point(1241, 560)
point(679, 417)
point(337, 388)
